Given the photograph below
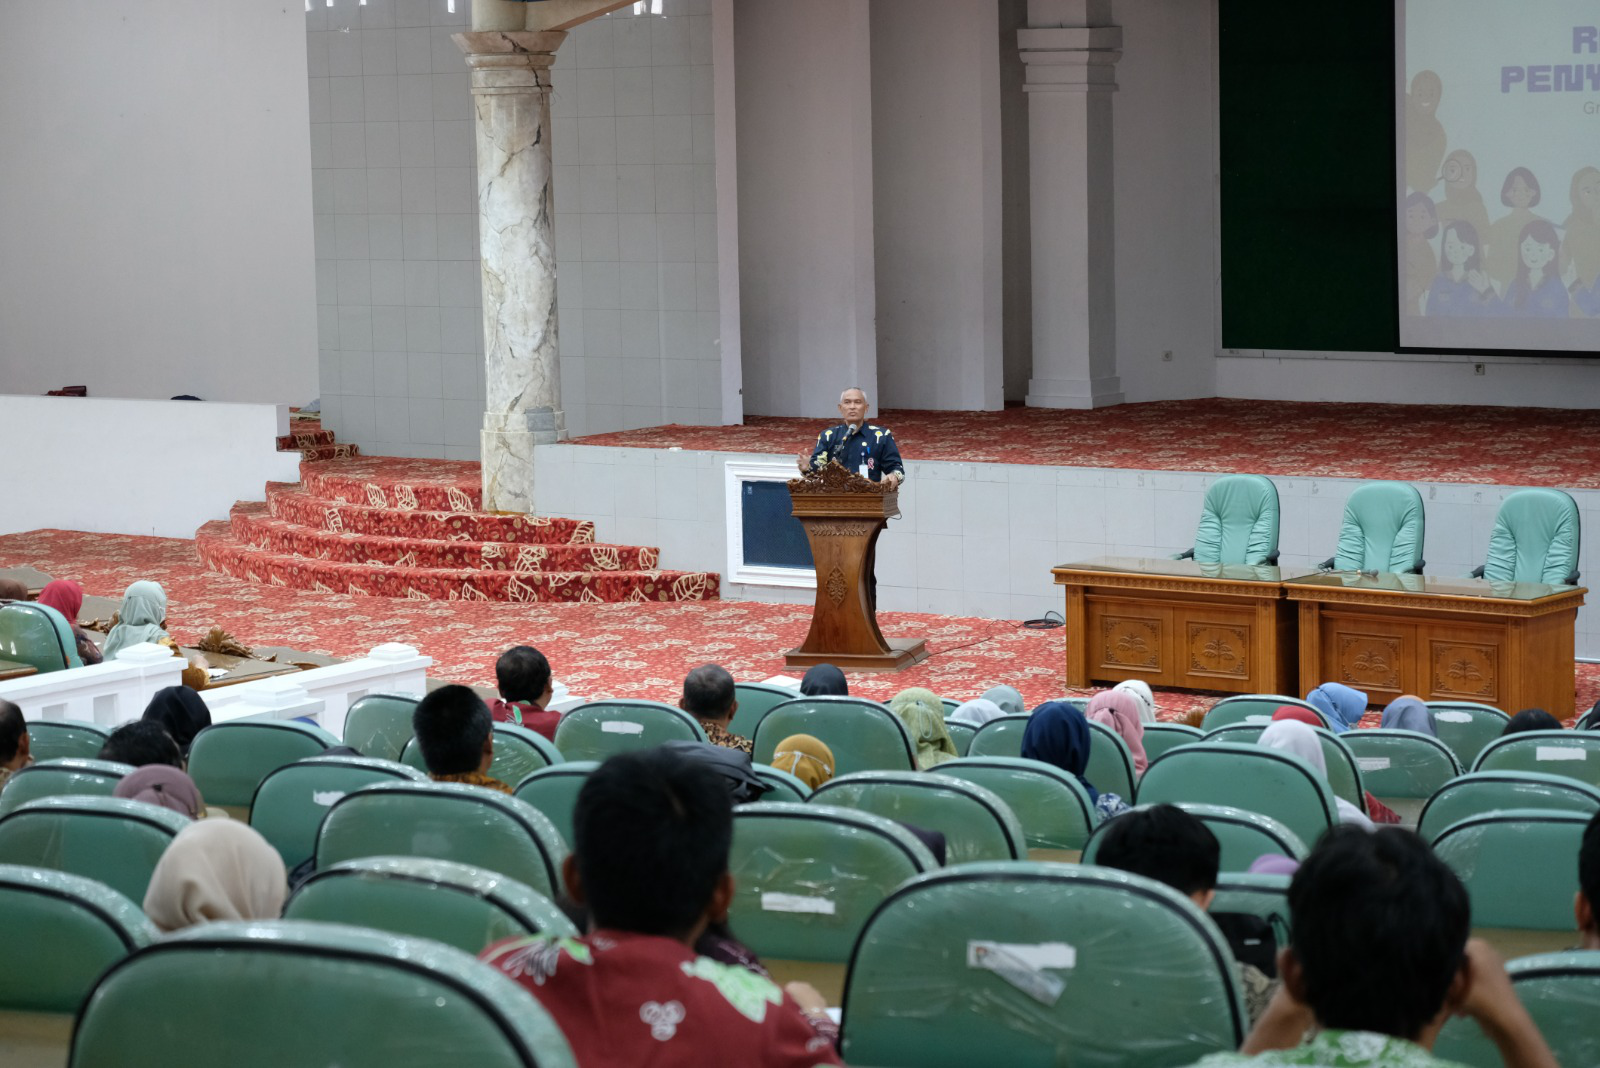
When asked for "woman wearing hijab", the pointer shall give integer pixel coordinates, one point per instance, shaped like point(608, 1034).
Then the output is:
point(1342, 706)
point(923, 714)
point(1119, 710)
point(1377, 811)
point(181, 711)
point(66, 597)
point(824, 680)
point(976, 712)
point(1299, 715)
point(806, 758)
point(216, 870)
point(142, 618)
point(1058, 734)
point(1009, 698)
point(1141, 694)
point(160, 784)
point(1410, 713)
point(1297, 739)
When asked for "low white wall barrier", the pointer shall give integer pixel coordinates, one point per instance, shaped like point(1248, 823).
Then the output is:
point(326, 693)
point(108, 694)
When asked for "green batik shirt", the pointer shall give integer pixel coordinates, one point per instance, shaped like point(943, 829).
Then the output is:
point(1337, 1049)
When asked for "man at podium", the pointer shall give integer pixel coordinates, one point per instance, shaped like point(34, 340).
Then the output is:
point(858, 445)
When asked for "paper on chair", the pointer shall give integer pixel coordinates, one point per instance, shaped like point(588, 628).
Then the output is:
point(1373, 763)
point(1560, 752)
point(621, 726)
point(1454, 717)
point(775, 902)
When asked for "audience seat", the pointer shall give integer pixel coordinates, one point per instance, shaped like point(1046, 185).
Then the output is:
point(604, 728)
point(1052, 806)
point(106, 838)
point(1159, 737)
point(1467, 727)
point(1238, 522)
point(1383, 530)
point(37, 635)
point(554, 791)
point(1038, 964)
point(457, 904)
point(976, 824)
point(1561, 991)
point(1571, 754)
point(63, 739)
point(1344, 774)
point(961, 734)
point(950, 705)
point(755, 699)
point(1000, 738)
point(1490, 791)
point(785, 787)
point(1397, 763)
point(290, 803)
point(379, 724)
point(1268, 781)
point(59, 778)
point(1110, 766)
point(1244, 836)
point(1536, 537)
point(863, 735)
point(1254, 708)
point(229, 760)
point(1590, 720)
point(264, 995)
point(444, 821)
point(62, 931)
point(1266, 896)
point(518, 753)
point(1520, 865)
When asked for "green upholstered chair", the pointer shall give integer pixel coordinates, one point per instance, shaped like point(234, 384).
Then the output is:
point(1032, 964)
point(114, 841)
point(1344, 775)
point(1159, 737)
point(263, 995)
point(785, 787)
point(1238, 522)
point(1467, 727)
point(1254, 708)
point(950, 705)
point(1268, 781)
point(229, 760)
point(1520, 865)
point(58, 739)
point(1490, 791)
point(1536, 537)
point(1573, 754)
point(1382, 530)
point(38, 635)
point(554, 791)
point(457, 904)
point(808, 876)
point(1243, 836)
point(755, 699)
point(863, 735)
point(62, 931)
point(1000, 738)
point(518, 753)
point(976, 824)
point(444, 821)
point(1590, 720)
point(58, 778)
point(291, 801)
point(1266, 896)
point(1397, 763)
point(379, 724)
point(1561, 991)
point(1110, 765)
point(961, 734)
point(604, 728)
point(1052, 806)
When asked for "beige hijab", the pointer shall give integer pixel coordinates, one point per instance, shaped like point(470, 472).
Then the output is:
point(216, 870)
point(806, 758)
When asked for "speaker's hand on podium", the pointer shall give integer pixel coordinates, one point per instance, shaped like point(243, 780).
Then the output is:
point(804, 460)
point(893, 478)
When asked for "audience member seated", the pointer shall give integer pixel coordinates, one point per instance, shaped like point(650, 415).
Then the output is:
point(1380, 999)
point(140, 743)
point(164, 785)
point(181, 711)
point(143, 618)
point(1298, 715)
point(734, 765)
point(1294, 737)
point(1009, 698)
point(1378, 811)
point(824, 680)
point(1058, 734)
point(1165, 843)
point(708, 696)
point(12, 590)
point(1119, 710)
point(1408, 712)
point(1342, 705)
point(806, 758)
point(650, 863)
point(66, 597)
point(216, 870)
point(976, 712)
point(523, 676)
point(1531, 719)
point(923, 714)
point(456, 735)
point(1142, 694)
point(15, 753)
point(1586, 903)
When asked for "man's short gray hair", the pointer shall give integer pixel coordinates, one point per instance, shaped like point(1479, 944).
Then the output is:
point(854, 389)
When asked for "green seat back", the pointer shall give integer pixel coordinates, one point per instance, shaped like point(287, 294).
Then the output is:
point(518, 753)
point(1266, 896)
point(57, 739)
point(1466, 727)
point(1561, 991)
point(1382, 529)
point(1536, 537)
point(755, 699)
point(1520, 865)
point(1159, 737)
point(604, 728)
point(444, 821)
point(1254, 708)
point(1267, 781)
point(58, 778)
point(1052, 806)
point(961, 734)
point(554, 791)
point(38, 635)
point(1490, 791)
point(785, 787)
point(1110, 766)
point(1344, 775)
point(976, 824)
point(229, 760)
point(290, 802)
point(808, 876)
point(1068, 944)
point(1238, 521)
point(1000, 738)
point(264, 995)
point(1243, 836)
point(462, 906)
point(379, 724)
point(1397, 763)
point(863, 735)
point(950, 705)
point(62, 931)
point(106, 838)
point(1572, 754)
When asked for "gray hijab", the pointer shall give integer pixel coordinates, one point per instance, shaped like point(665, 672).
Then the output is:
point(144, 610)
point(1009, 698)
point(1408, 713)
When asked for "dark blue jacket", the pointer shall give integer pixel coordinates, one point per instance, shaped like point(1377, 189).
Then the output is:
point(871, 447)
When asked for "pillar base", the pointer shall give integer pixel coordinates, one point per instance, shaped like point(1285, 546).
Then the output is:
point(1082, 393)
point(507, 462)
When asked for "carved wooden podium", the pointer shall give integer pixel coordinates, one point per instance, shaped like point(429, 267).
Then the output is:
point(843, 514)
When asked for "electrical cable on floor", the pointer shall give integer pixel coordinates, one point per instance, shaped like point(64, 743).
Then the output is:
point(1049, 621)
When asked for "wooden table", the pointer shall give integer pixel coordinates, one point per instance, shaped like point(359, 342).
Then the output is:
point(12, 669)
point(239, 668)
point(1179, 623)
point(1506, 644)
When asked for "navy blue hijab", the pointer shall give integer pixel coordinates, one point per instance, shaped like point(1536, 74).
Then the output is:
point(1058, 734)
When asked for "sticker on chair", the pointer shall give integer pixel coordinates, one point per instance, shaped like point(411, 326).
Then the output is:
point(1454, 717)
point(621, 726)
point(325, 798)
point(1373, 763)
point(1560, 752)
point(1024, 966)
point(776, 902)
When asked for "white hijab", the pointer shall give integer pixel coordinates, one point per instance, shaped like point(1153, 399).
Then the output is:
point(1296, 738)
point(977, 712)
point(1141, 696)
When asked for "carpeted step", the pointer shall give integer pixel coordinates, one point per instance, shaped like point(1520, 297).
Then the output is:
point(220, 551)
point(340, 451)
point(253, 524)
point(396, 482)
point(291, 502)
point(304, 439)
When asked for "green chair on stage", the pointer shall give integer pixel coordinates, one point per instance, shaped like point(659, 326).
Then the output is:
point(1536, 537)
point(291, 801)
point(379, 724)
point(1382, 530)
point(976, 824)
point(1238, 522)
point(863, 735)
point(62, 932)
point(1052, 806)
point(59, 778)
point(1481, 792)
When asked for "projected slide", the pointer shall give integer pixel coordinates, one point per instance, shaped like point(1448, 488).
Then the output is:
point(1498, 174)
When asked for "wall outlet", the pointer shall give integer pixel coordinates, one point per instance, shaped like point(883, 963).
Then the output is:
point(1166, 357)
point(1479, 369)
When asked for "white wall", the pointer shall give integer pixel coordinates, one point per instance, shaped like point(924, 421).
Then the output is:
point(155, 233)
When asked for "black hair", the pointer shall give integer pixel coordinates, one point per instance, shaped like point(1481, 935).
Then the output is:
point(142, 742)
point(651, 832)
point(708, 692)
point(522, 673)
point(451, 724)
point(1380, 930)
point(1164, 843)
point(182, 711)
point(12, 728)
point(1589, 865)
point(1531, 719)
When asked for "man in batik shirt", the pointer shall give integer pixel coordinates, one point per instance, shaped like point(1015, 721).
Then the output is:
point(858, 445)
point(709, 696)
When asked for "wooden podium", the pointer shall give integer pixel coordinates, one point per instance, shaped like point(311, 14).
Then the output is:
point(843, 514)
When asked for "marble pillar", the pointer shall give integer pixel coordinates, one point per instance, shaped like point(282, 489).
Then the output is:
point(1069, 57)
point(516, 224)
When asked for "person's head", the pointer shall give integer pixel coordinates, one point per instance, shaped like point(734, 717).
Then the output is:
point(1058, 734)
point(181, 711)
point(523, 674)
point(1408, 968)
point(1119, 710)
point(651, 832)
point(1531, 719)
point(143, 604)
point(824, 680)
point(216, 870)
point(1521, 189)
point(1461, 246)
point(1426, 89)
point(976, 712)
point(1009, 698)
point(1164, 843)
point(806, 758)
point(454, 731)
point(1342, 706)
point(1408, 712)
point(141, 743)
point(1299, 714)
point(1422, 220)
point(708, 694)
point(12, 590)
point(1140, 691)
point(923, 714)
point(1460, 172)
point(853, 405)
point(14, 740)
point(1293, 737)
point(159, 784)
point(1587, 902)
point(65, 596)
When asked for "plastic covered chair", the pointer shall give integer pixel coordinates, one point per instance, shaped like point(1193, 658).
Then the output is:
point(114, 841)
point(1561, 991)
point(1536, 537)
point(263, 995)
point(863, 735)
point(604, 728)
point(1238, 522)
point(755, 700)
point(554, 791)
point(37, 634)
point(1382, 530)
point(1159, 737)
point(1110, 765)
point(290, 803)
point(456, 904)
point(961, 734)
point(229, 760)
point(1000, 738)
point(518, 753)
point(1052, 806)
point(1244, 836)
point(1466, 727)
point(1572, 754)
point(62, 931)
point(379, 724)
point(1266, 896)
point(807, 877)
point(1032, 964)
point(1520, 865)
point(1490, 791)
point(445, 821)
point(59, 778)
point(1252, 708)
point(976, 824)
point(1397, 763)
point(61, 739)
point(1268, 781)
point(1344, 775)
point(785, 787)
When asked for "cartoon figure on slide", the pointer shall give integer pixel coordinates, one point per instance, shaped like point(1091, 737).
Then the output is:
point(1580, 246)
point(1461, 288)
point(1422, 226)
point(1425, 138)
point(1461, 197)
point(1520, 193)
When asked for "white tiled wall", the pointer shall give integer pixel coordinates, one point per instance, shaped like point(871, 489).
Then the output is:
point(394, 194)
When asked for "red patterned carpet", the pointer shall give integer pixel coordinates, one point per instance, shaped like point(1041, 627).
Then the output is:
point(1430, 443)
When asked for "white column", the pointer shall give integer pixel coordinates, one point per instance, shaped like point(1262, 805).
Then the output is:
point(1069, 54)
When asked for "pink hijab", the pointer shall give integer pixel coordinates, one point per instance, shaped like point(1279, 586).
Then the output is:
point(1119, 710)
